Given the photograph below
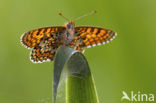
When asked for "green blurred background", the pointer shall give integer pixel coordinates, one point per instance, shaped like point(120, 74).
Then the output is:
point(128, 63)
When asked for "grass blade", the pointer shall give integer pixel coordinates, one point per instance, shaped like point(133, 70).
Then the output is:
point(73, 82)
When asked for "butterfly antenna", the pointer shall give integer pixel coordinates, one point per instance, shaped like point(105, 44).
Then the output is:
point(63, 16)
point(95, 11)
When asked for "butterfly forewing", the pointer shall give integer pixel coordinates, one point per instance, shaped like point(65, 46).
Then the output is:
point(93, 36)
point(32, 38)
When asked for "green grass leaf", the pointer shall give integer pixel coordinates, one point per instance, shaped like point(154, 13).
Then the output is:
point(73, 82)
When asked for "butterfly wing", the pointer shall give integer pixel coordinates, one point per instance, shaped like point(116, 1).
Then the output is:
point(45, 50)
point(92, 36)
point(43, 42)
point(32, 38)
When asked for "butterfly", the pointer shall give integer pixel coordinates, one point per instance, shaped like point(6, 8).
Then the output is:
point(45, 41)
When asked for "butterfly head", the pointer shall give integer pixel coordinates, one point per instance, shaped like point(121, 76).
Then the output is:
point(69, 25)
point(70, 29)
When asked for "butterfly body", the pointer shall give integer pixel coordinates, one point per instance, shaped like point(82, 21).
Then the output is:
point(44, 42)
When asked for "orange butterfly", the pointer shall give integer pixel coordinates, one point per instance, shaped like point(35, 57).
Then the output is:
point(44, 41)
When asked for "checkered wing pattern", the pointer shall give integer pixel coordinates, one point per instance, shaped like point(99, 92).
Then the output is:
point(91, 36)
point(43, 42)
point(34, 37)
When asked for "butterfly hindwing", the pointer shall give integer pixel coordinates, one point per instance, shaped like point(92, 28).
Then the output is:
point(45, 50)
point(77, 43)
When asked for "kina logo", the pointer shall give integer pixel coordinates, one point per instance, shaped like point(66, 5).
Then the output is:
point(138, 96)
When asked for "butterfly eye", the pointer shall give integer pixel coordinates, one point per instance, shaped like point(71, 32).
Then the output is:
point(68, 25)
